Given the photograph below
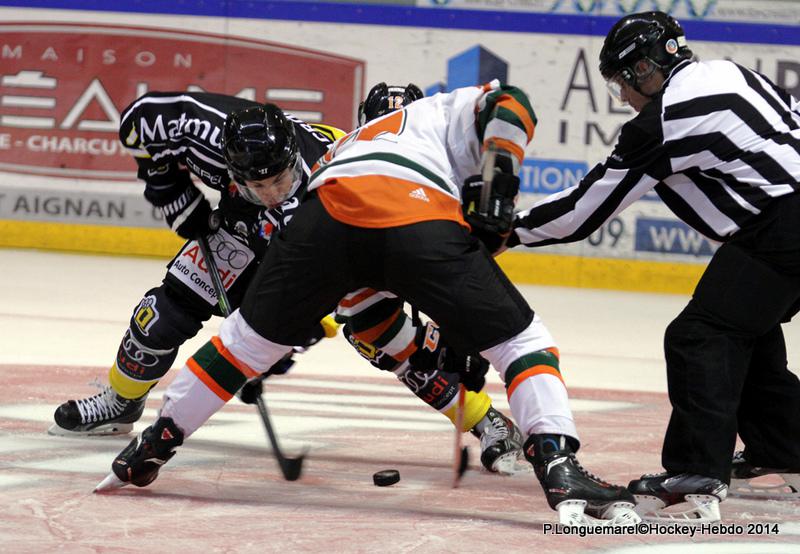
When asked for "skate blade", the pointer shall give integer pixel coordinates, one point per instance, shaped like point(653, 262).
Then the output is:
point(101, 431)
point(747, 488)
point(572, 513)
point(110, 483)
point(696, 509)
point(511, 464)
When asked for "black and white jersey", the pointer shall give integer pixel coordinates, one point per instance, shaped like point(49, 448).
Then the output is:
point(719, 144)
point(170, 133)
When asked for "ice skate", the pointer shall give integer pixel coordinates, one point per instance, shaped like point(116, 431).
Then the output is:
point(105, 413)
point(779, 483)
point(138, 464)
point(696, 498)
point(501, 445)
point(579, 497)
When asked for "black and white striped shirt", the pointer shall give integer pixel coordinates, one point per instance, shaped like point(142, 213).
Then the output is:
point(719, 144)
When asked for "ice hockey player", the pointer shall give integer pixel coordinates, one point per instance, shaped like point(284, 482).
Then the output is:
point(720, 144)
point(176, 135)
point(386, 214)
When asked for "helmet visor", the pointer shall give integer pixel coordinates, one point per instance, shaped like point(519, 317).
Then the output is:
point(614, 88)
point(270, 191)
point(630, 76)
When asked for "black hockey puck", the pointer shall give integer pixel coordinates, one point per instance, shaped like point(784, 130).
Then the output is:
point(386, 477)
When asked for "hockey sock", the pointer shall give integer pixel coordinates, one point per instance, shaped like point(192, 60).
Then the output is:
point(476, 405)
point(127, 387)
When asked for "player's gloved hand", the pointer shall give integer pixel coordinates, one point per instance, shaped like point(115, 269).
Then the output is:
point(185, 208)
point(432, 353)
point(195, 220)
point(472, 369)
point(493, 227)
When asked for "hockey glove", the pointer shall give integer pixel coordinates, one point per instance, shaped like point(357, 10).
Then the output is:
point(493, 227)
point(183, 205)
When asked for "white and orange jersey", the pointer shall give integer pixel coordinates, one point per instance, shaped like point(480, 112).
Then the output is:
point(408, 166)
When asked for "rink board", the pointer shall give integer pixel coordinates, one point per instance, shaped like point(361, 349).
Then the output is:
point(223, 490)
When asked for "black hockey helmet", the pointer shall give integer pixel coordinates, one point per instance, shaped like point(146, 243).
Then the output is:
point(383, 99)
point(258, 142)
point(655, 37)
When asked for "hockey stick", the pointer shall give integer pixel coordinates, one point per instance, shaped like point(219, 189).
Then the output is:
point(290, 467)
point(489, 156)
point(461, 453)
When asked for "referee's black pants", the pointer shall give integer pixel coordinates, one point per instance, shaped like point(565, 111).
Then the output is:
point(726, 357)
point(436, 266)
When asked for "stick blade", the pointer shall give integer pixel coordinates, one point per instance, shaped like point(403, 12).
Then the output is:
point(293, 469)
point(461, 467)
point(110, 483)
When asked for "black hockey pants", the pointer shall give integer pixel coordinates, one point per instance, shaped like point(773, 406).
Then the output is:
point(435, 265)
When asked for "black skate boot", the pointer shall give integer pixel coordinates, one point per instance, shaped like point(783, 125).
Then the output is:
point(743, 471)
point(105, 413)
point(658, 491)
point(579, 497)
point(139, 462)
point(501, 444)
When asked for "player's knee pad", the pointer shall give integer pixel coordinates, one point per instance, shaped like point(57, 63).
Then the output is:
point(159, 325)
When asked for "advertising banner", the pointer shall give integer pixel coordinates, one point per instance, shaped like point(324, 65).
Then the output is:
point(63, 85)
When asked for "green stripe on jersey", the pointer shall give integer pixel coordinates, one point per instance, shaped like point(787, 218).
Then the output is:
point(390, 333)
point(528, 361)
point(224, 373)
point(393, 159)
point(510, 117)
point(488, 112)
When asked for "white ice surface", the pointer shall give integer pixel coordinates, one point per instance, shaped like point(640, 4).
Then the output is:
point(71, 309)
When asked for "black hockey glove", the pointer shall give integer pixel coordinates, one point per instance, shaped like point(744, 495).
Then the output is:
point(183, 205)
point(433, 354)
point(493, 227)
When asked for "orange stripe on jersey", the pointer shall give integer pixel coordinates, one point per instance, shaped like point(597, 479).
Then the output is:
point(357, 299)
point(207, 380)
point(507, 145)
point(246, 370)
point(531, 372)
point(510, 103)
point(380, 201)
point(373, 333)
point(392, 124)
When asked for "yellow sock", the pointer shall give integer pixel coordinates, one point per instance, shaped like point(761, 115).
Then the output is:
point(127, 387)
point(476, 404)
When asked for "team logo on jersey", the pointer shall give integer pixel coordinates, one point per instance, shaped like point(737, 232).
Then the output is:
point(265, 230)
point(146, 314)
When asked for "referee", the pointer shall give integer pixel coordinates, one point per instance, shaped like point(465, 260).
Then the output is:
point(720, 145)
